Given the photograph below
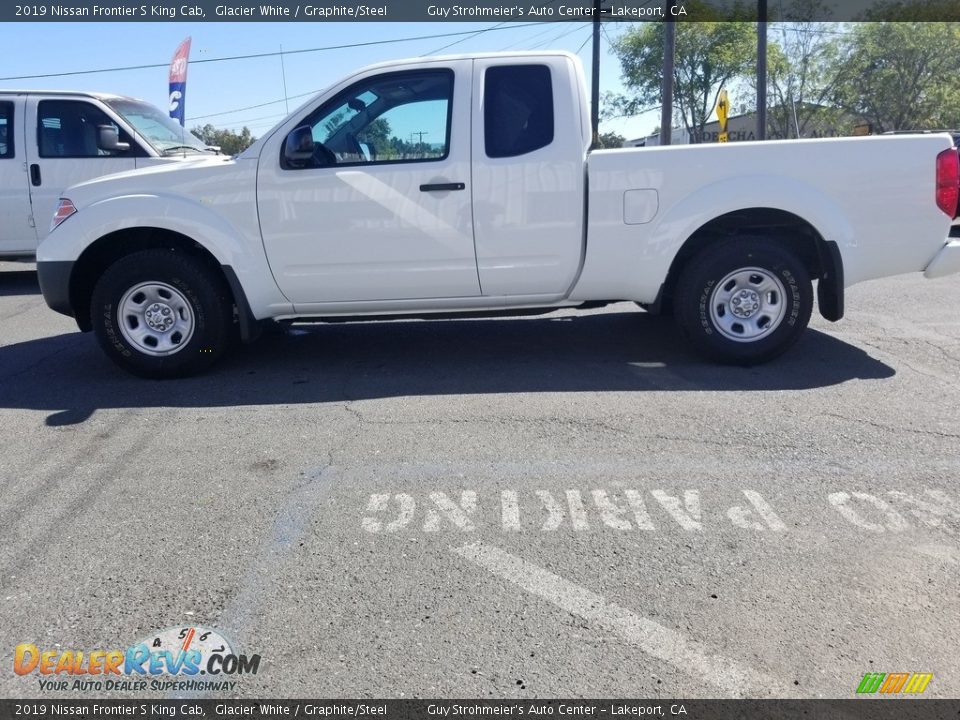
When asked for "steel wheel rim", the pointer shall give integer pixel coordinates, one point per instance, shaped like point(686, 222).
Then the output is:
point(748, 304)
point(156, 319)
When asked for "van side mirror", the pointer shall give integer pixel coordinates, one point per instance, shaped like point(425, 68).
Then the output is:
point(108, 138)
point(299, 145)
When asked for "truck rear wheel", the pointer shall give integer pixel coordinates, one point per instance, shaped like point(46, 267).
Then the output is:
point(161, 314)
point(743, 301)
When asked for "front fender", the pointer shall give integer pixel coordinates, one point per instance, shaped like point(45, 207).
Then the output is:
point(232, 244)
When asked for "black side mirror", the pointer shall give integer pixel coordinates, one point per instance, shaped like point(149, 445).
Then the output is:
point(108, 138)
point(299, 145)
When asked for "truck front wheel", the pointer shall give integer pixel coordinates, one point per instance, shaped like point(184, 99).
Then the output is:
point(743, 301)
point(161, 314)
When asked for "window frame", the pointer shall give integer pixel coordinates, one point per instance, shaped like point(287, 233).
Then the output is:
point(350, 91)
point(135, 150)
point(11, 153)
point(553, 108)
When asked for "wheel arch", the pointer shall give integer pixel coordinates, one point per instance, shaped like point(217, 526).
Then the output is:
point(821, 257)
point(109, 248)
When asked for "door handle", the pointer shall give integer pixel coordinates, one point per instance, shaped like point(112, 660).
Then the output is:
point(35, 175)
point(440, 187)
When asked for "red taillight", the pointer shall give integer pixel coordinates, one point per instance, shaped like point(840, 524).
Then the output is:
point(948, 181)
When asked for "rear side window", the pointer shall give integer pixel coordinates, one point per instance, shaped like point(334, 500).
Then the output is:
point(518, 110)
point(6, 130)
point(68, 129)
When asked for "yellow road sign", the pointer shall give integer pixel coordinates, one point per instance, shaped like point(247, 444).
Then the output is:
point(723, 106)
point(722, 137)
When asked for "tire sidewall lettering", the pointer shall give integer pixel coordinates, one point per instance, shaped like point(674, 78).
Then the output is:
point(704, 303)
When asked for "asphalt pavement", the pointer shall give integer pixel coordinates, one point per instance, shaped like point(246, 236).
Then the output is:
point(564, 505)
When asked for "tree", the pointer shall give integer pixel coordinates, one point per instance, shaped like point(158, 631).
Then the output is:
point(802, 74)
point(611, 140)
point(901, 75)
point(708, 56)
point(229, 141)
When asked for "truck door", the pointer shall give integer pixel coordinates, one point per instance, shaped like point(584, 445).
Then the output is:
point(62, 150)
point(529, 149)
point(381, 210)
point(17, 235)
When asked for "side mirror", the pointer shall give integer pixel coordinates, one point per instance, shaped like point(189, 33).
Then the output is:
point(108, 138)
point(299, 145)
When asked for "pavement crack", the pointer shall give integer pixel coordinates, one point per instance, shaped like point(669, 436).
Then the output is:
point(890, 428)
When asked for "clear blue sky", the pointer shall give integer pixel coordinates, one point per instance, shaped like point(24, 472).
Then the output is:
point(35, 48)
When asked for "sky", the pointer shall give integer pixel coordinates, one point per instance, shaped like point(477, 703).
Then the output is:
point(222, 93)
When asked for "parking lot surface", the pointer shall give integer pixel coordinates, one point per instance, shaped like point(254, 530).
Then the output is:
point(564, 505)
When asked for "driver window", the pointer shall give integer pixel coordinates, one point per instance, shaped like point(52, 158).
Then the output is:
point(398, 117)
point(68, 129)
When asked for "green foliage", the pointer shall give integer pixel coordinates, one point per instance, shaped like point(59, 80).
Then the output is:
point(611, 140)
point(230, 142)
point(803, 72)
point(914, 10)
point(901, 75)
point(709, 55)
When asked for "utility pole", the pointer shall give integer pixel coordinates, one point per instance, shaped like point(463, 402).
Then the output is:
point(595, 79)
point(761, 69)
point(419, 134)
point(666, 88)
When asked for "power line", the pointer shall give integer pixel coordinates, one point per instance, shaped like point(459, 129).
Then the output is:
point(479, 32)
point(251, 107)
point(259, 55)
point(582, 46)
point(558, 37)
point(551, 26)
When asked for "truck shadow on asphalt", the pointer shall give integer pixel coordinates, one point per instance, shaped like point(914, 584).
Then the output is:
point(597, 352)
point(18, 282)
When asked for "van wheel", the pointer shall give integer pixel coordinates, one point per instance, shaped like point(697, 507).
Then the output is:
point(743, 301)
point(161, 314)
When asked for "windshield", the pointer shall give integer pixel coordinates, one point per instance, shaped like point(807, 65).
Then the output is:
point(159, 130)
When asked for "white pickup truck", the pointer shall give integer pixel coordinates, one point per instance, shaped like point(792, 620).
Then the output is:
point(466, 184)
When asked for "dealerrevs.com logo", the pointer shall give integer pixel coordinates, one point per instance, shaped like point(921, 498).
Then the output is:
point(894, 683)
point(175, 659)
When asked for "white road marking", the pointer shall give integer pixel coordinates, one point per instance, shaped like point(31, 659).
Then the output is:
point(553, 507)
point(623, 509)
point(842, 502)
point(944, 553)
point(510, 510)
point(688, 514)
point(931, 514)
point(660, 642)
point(458, 515)
point(740, 516)
point(578, 515)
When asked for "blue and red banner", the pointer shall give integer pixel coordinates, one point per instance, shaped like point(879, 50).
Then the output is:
point(178, 82)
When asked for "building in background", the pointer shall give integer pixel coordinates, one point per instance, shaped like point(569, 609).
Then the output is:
point(743, 128)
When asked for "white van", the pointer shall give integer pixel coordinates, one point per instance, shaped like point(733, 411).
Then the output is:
point(50, 140)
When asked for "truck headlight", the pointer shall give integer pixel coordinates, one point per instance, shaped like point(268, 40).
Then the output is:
point(65, 209)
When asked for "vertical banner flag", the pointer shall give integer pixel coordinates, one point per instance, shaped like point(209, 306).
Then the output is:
point(178, 81)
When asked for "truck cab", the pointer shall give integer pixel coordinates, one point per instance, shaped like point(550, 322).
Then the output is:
point(52, 140)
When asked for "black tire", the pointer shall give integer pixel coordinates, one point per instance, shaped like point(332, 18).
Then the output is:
point(209, 309)
point(697, 290)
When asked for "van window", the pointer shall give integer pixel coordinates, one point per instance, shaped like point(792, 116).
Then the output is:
point(6, 130)
point(68, 129)
point(517, 110)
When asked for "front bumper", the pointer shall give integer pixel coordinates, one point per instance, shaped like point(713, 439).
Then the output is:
point(54, 278)
point(945, 262)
